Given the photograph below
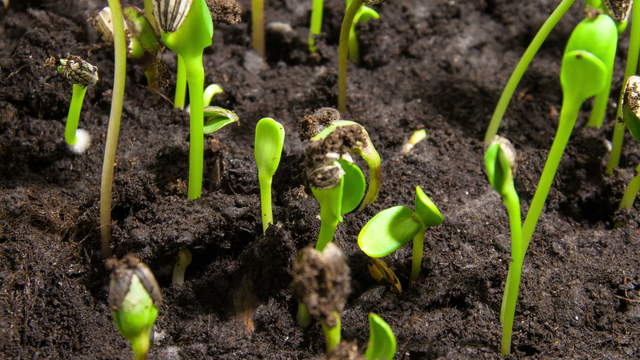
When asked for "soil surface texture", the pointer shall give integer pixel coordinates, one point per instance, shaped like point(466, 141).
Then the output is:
point(433, 64)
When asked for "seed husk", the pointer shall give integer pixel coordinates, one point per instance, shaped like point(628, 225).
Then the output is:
point(618, 9)
point(78, 71)
point(171, 13)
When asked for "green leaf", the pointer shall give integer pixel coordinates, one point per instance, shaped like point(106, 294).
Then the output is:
point(354, 186)
point(382, 341)
point(427, 210)
point(388, 230)
point(269, 141)
point(215, 118)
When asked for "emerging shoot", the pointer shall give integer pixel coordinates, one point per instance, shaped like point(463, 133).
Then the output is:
point(631, 111)
point(382, 341)
point(134, 299)
point(257, 26)
point(81, 74)
point(363, 15)
point(182, 262)
point(392, 228)
point(269, 141)
point(416, 137)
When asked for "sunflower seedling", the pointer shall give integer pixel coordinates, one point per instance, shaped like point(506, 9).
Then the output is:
point(382, 341)
point(134, 299)
point(392, 228)
point(322, 282)
point(416, 137)
point(257, 26)
point(343, 47)
point(81, 74)
point(182, 262)
point(631, 111)
point(269, 141)
point(363, 15)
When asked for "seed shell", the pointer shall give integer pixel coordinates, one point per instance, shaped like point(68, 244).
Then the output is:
point(171, 13)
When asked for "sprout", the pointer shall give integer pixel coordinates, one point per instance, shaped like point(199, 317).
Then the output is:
point(363, 15)
point(134, 299)
point(257, 26)
point(315, 27)
point(392, 228)
point(343, 48)
point(416, 137)
point(631, 111)
point(81, 74)
point(382, 341)
point(268, 149)
point(321, 280)
point(183, 260)
point(5, 3)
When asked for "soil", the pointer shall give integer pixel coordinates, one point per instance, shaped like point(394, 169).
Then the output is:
point(436, 64)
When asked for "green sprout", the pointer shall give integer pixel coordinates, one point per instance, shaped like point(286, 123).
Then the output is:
point(343, 48)
point(500, 163)
point(631, 111)
point(382, 341)
point(416, 137)
point(617, 11)
point(134, 299)
point(315, 27)
point(113, 131)
point(183, 261)
point(81, 74)
point(363, 15)
point(187, 28)
point(392, 228)
point(269, 141)
point(257, 26)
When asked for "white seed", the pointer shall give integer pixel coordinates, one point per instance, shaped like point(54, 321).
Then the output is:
point(83, 141)
point(618, 9)
point(171, 13)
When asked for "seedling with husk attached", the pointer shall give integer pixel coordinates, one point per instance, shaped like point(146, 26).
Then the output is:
point(500, 164)
point(269, 141)
point(617, 10)
point(631, 110)
point(343, 48)
point(134, 299)
point(81, 74)
point(392, 228)
point(584, 73)
point(322, 282)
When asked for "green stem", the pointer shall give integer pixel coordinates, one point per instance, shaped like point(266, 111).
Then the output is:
point(257, 27)
point(343, 53)
point(332, 335)
point(148, 13)
point(328, 225)
point(140, 345)
point(73, 117)
point(631, 192)
point(416, 254)
point(195, 80)
point(522, 66)
point(600, 102)
point(113, 132)
point(568, 116)
point(181, 84)
point(265, 201)
point(303, 317)
point(630, 69)
point(316, 23)
point(354, 47)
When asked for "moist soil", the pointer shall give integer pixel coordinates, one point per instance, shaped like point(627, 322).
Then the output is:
point(433, 64)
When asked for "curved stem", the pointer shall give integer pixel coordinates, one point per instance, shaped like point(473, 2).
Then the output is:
point(343, 53)
point(181, 84)
point(600, 102)
point(257, 26)
point(416, 254)
point(73, 117)
point(328, 225)
point(316, 23)
point(303, 317)
point(568, 116)
point(113, 132)
point(140, 345)
point(631, 192)
point(522, 66)
point(630, 68)
point(354, 47)
point(195, 80)
point(265, 201)
point(332, 335)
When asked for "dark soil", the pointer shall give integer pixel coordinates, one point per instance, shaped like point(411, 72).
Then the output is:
point(434, 64)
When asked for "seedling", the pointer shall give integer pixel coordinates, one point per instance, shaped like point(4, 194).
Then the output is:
point(416, 137)
point(134, 299)
point(183, 261)
point(382, 341)
point(392, 228)
point(343, 48)
point(81, 74)
point(269, 141)
point(616, 11)
point(113, 132)
point(322, 282)
point(315, 28)
point(363, 15)
point(257, 26)
point(500, 164)
point(186, 28)
point(631, 111)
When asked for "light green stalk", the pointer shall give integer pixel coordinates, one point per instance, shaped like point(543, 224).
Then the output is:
point(630, 69)
point(332, 335)
point(316, 23)
point(631, 192)
point(343, 53)
point(265, 201)
point(181, 84)
point(113, 132)
point(522, 66)
point(416, 253)
point(257, 27)
point(195, 81)
point(73, 117)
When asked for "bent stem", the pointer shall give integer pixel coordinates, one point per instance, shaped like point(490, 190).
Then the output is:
point(343, 53)
point(257, 26)
point(181, 84)
point(316, 23)
point(328, 225)
point(140, 345)
point(631, 192)
point(332, 335)
point(416, 254)
point(522, 66)
point(630, 69)
point(73, 117)
point(303, 317)
point(265, 201)
point(195, 81)
point(113, 132)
